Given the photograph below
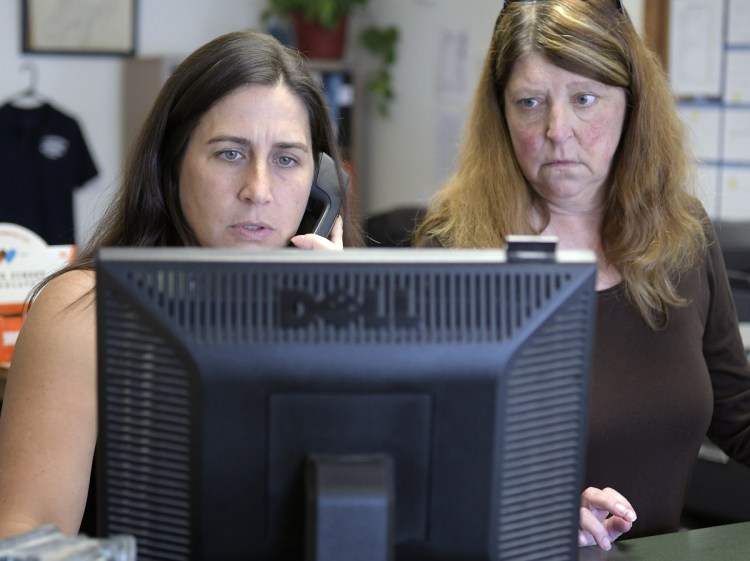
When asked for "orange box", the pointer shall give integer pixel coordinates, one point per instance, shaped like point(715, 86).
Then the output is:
point(9, 328)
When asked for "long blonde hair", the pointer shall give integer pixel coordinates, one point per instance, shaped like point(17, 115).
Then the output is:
point(653, 227)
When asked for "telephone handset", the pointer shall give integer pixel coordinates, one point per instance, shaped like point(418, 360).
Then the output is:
point(326, 197)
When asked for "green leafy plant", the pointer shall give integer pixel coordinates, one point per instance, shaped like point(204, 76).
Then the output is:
point(381, 42)
point(326, 12)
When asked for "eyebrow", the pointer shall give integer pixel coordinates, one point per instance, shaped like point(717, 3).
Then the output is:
point(246, 142)
point(529, 87)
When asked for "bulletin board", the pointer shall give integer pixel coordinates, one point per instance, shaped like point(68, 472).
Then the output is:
point(705, 45)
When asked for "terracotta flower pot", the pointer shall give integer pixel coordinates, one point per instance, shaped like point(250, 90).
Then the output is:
point(317, 41)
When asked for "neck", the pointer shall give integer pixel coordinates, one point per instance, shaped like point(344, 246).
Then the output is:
point(581, 230)
point(574, 230)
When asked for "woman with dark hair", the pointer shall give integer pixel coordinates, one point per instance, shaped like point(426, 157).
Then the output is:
point(226, 158)
point(574, 133)
point(147, 211)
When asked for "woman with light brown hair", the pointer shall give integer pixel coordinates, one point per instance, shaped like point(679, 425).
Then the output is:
point(574, 133)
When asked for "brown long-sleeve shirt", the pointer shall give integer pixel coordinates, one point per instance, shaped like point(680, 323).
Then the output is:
point(655, 394)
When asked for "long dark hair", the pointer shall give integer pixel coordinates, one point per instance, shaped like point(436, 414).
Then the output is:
point(146, 211)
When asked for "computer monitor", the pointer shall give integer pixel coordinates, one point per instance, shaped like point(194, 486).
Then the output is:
point(457, 378)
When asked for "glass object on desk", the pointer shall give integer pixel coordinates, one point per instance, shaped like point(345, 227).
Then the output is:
point(48, 543)
point(745, 333)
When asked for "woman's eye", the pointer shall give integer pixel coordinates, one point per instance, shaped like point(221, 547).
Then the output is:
point(286, 161)
point(231, 155)
point(528, 102)
point(585, 99)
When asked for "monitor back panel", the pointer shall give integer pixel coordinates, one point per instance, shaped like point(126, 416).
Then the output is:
point(218, 375)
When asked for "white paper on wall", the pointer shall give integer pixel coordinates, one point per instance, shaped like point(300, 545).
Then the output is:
point(453, 73)
point(735, 193)
point(448, 129)
point(738, 76)
point(704, 129)
point(696, 47)
point(737, 134)
point(738, 32)
point(708, 189)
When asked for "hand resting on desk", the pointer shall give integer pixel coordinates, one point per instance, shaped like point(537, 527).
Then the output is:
point(605, 516)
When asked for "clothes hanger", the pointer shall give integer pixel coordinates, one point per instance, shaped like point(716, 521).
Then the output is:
point(29, 97)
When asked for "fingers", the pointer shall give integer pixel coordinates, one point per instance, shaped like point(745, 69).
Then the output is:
point(601, 533)
point(617, 526)
point(592, 531)
point(605, 516)
point(312, 241)
point(337, 232)
point(334, 242)
point(608, 501)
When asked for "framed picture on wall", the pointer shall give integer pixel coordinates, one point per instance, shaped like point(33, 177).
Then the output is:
point(79, 27)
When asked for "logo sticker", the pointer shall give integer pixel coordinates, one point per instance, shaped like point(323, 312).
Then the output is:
point(53, 147)
point(7, 255)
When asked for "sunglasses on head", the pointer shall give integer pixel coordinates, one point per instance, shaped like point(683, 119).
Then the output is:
point(618, 3)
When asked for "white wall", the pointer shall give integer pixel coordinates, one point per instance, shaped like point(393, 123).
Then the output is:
point(406, 155)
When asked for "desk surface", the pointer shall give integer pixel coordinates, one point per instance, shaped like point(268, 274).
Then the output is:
point(721, 543)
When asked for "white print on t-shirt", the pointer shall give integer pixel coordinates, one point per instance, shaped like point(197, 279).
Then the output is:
point(53, 147)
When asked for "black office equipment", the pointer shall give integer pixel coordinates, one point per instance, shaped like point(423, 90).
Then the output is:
point(450, 385)
point(394, 227)
point(739, 282)
point(734, 238)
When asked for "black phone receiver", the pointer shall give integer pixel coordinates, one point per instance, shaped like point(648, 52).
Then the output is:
point(326, 198)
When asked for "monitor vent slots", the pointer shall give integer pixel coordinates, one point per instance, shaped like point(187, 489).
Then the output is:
point(150, 496)
point(546, 414)
point(290, 307)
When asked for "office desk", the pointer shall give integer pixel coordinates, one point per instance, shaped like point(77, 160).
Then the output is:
point(720, 543)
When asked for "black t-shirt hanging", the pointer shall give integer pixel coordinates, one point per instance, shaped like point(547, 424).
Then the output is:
point(43, 159)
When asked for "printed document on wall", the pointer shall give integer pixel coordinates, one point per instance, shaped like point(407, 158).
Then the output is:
point(739, 22)
point(452, 76)
point(453, 93)
point(703, 123)
point(695, 47)
point(737, 135)
point(707, 189)
point(735, 193)
point(738, 76)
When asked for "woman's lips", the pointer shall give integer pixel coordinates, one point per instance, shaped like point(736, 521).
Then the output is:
point(252, 231)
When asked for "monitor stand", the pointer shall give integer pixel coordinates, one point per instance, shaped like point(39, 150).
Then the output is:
point(349, 507)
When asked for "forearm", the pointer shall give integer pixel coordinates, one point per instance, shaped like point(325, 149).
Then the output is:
point(11, 524)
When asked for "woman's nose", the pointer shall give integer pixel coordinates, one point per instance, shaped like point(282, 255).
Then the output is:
point(559, 123)
point(256, 185)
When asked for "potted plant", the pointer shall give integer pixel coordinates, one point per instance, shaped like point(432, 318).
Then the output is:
point(319, 25)
point(320, 30)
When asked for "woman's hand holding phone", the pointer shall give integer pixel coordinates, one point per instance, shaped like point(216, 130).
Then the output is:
point(334, 242)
